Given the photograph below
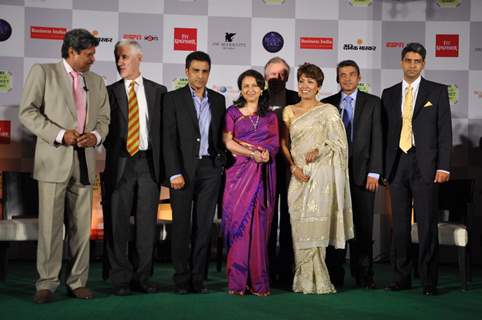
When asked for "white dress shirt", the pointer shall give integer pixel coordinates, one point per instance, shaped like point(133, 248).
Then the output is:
point(143, 111)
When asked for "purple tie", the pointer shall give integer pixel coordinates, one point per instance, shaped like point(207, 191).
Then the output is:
point(79, 99)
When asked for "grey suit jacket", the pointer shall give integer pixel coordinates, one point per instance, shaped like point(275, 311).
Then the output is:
point(47, 106)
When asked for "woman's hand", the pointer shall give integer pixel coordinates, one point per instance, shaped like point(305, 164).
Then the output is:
point(297, 172)
point(265, 156)
point(312, 155)
point(257, 156)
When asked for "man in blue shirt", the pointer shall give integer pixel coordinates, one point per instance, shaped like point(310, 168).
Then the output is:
point(194, 156)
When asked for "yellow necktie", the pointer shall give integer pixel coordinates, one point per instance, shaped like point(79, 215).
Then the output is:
point(406, 134)
point(133, 122)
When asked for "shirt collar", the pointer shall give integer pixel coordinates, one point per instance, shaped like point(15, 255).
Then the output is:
point(139, 81)
point(352, 95)
point(193, 92)
point(68, 68)
point(415, 84)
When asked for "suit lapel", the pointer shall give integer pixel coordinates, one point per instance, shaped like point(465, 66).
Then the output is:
point(397, 105)
point(421, 97)
point(66, 88)
point(359, 106)
point(337, 101)
point(150, 99)
point(121, 97)
point(191, 109)
point(88, 84)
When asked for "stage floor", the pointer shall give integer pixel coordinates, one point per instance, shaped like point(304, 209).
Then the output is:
point(351, 303)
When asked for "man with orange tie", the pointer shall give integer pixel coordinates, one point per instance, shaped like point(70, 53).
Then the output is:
point(418, 142)
point(133, 171)
point(66, 107)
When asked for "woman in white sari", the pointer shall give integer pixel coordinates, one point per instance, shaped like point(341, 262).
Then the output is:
point(315, 145)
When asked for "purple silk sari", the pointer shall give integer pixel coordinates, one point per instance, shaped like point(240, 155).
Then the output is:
point(248, 201)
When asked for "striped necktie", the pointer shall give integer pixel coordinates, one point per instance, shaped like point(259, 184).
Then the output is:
point(133, 122)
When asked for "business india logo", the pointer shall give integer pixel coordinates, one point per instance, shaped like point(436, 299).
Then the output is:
point(316, 43)
point(273, 42)
point(5, 30)
point(177, 83)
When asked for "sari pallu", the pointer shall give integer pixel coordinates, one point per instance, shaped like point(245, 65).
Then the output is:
point(320, 209)
point(248, 201)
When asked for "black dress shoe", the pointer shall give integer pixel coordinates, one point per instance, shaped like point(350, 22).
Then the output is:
point(397, 287)
point(202, 290)
point(429, 291)
point(145, 287)
point(181, 291)
point(369, 283)
point(122, 291)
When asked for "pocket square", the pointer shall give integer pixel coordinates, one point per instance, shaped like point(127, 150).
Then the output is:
point(428, 104)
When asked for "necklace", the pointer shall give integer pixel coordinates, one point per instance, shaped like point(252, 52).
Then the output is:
point(254, 123)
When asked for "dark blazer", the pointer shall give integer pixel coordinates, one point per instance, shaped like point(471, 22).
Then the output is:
point(181, 135)
point(431, 125)
point(291, 98)
point(115, 143)
point(367, 145)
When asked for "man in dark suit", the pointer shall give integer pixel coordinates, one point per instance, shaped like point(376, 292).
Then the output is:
point(361, 114)
point(133, 170)
point(418, 141)
point(194, 156)
point(276, 72)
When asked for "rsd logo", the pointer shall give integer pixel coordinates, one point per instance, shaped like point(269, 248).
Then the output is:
point(5, 30)
point(273, 42)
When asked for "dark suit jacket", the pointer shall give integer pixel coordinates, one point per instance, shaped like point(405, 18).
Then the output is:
point(181, 135)
point(115, 143)
point(431, 125)
point(291, 98)
point(367, 145)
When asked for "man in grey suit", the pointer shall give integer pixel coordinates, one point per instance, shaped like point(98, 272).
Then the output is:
point(133, 170)
point(67, 108)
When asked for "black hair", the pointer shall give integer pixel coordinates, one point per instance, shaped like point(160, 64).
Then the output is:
point(199, 56)
point(414, 47)
point(312, 71)
point(346, 63)
point(78, 39)
point(263, 99)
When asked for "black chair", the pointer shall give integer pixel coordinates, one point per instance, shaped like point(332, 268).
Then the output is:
point(20, 213)
point(455, 198)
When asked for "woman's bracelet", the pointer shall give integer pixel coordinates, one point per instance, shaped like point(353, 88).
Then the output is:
point(293, 168)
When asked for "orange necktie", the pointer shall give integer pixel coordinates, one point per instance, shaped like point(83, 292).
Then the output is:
point(133, 122)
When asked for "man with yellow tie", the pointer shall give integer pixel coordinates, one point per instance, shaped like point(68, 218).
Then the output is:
point(133, 171)
point(418, 142)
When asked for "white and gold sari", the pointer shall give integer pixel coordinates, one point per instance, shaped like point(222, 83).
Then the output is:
point(320, 209)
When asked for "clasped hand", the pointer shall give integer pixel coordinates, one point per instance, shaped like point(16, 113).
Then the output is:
point(84, 140)
point(261, 156)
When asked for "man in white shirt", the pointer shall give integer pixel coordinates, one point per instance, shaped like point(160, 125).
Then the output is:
point(133, 171)
point(418, 142)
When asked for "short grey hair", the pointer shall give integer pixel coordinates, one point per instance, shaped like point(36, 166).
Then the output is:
point(276, 60)
point(128, 42)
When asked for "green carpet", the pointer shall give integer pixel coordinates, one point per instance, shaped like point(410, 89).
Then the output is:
point(16, 300)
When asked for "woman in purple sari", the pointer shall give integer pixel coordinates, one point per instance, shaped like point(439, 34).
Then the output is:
point(251, 135)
